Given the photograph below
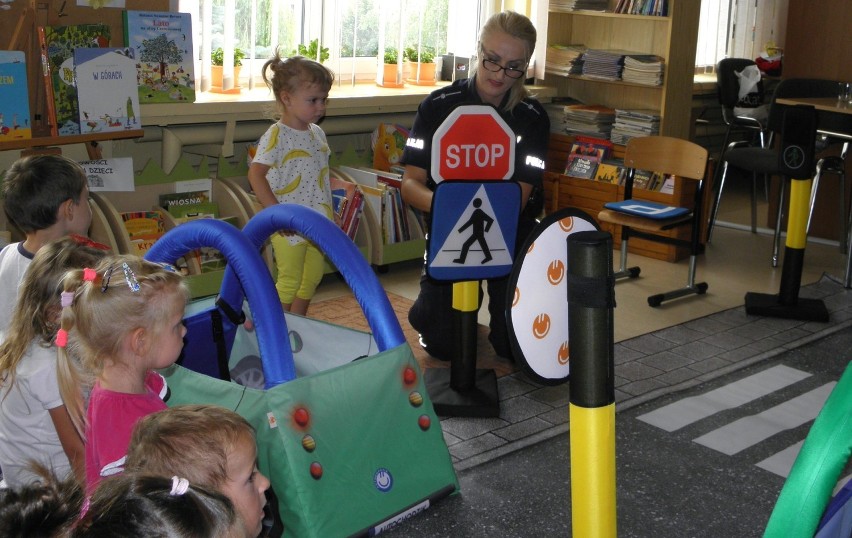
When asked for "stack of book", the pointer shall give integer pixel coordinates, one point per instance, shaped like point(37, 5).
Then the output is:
point(632, 123)
point(589, 120)
point(603, 63)
point(646, 69)
point(556, 113)
point(348, 203)
point(576, 5)
point(565, 59)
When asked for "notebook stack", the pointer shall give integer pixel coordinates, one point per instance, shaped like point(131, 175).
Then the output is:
point(633, 123)
point(645, 69)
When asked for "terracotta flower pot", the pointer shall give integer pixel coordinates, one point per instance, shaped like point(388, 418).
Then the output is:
point(426, 76)
point(216, 79)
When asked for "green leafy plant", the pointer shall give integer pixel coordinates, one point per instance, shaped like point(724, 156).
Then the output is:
point(218, 56)
point(391, 55)
point(310, 51)
point(426, 55)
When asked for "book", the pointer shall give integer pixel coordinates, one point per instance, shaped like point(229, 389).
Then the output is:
point(585, 154)
point(165, 57)
point(143, 228)
point(47, 82)
point(106, 90)
point(14, 97)
point(169, 199)
point(582, 166)
point(201, 210)
point(60, 42)
point(609, 171)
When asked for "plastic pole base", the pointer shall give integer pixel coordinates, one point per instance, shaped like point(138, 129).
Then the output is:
point(764, 304)
point(480, 400)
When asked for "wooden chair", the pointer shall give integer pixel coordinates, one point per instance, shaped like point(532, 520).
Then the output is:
point(651, 221)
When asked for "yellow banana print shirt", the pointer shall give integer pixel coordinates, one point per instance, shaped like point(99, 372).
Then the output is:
point(298, 167)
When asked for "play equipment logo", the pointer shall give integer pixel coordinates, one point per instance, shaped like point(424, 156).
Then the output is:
point(383, 480)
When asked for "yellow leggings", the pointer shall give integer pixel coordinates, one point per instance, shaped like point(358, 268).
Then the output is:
point(300, 269)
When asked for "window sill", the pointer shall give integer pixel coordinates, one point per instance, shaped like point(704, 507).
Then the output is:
point(257, 104)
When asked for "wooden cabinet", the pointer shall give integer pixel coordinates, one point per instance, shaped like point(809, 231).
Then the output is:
point(590, 196)
point(673, 37)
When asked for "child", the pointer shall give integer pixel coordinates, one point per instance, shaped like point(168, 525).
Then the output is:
point(47, 197)
point(34, 424)
point(119, 322)
point(144, 505)
point(45, 508)
point(211, 446)
point(291, 166)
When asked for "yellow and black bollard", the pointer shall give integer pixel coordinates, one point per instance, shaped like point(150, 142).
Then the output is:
point(591, 300)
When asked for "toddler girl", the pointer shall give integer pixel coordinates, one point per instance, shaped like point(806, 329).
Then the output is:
point(34, 423)
point(120, 322)
point(211, 446)
point(291, 166)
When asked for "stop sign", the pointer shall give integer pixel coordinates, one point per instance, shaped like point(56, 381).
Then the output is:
point(473, 143)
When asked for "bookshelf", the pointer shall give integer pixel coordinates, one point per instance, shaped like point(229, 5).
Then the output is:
point(673, 37)
point(590, 196)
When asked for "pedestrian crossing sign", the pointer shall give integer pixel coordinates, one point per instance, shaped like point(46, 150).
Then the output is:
point(474, 225)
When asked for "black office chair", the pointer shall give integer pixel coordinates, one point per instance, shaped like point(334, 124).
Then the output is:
point(741, 130)
point(686, 161)
point(764, 161)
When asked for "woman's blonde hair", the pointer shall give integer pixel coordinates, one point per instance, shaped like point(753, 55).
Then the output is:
point(36, 315)
point(122, 294)
point(193, 441)
point(287, 74)
point(515, 25)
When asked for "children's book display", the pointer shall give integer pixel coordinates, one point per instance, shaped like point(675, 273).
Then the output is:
point(348, 202)
point(14, 97)
point(586, 152)
point(143, 228)
point(164, 55)
point(59, 44)
point(106, 89)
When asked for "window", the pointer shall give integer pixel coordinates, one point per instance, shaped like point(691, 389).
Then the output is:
point(351, 32)
point(738, 29)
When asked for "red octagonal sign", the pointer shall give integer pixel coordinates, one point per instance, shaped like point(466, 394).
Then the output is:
point(473, 143)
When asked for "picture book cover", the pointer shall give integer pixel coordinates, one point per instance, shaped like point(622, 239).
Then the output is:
point(582, 166)
point(165, 58)
point(14, 97)
point(609, 171)
point(143, 228)
point(169, 199)
point(60, 42)
point(106, 90)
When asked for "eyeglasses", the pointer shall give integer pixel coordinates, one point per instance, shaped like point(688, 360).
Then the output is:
point(511, 72)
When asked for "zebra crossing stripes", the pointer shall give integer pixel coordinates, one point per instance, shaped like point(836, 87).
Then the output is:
point(781, 462)
point(689, 410)
point(748, 431)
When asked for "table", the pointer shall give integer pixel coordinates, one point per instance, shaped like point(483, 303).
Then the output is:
point(839, 115)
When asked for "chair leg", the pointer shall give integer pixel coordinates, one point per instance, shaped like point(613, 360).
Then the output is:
point(690, 288)
point(776, 240)
point(715, 210)
point(623, 270)
point(814, 185)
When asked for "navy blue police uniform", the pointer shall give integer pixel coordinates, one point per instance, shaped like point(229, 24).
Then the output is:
point(431, 314)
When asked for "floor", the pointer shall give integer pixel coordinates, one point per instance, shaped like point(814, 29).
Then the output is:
point(658, 352)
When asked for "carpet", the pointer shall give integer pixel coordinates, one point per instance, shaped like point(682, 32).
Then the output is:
point(346, 312)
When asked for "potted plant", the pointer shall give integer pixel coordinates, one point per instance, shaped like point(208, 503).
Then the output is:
point(421, 65)
point(389, 74)
point(310, 51)
point(217, 57)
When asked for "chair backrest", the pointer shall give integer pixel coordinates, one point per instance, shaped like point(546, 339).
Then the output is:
point(797, 87)
point(728, 84)
point(667, 155)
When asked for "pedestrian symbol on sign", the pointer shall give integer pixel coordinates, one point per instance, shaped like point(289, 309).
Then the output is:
point(473, 229)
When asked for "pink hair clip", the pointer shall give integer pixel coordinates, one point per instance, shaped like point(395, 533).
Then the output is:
point(89, 275)
point(66, 298)
point(61, 338)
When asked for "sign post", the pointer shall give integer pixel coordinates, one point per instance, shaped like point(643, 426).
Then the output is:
point(474, 223)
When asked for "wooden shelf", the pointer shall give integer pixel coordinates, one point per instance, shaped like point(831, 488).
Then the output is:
point(50, 141)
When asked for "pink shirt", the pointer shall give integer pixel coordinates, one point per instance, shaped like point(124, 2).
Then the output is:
point(111, 417)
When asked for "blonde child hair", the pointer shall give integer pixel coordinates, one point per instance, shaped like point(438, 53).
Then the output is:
point(287, 74)
point(122, 294)
point(191, 440)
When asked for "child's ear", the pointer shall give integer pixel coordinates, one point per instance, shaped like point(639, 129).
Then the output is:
point(139, 340)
